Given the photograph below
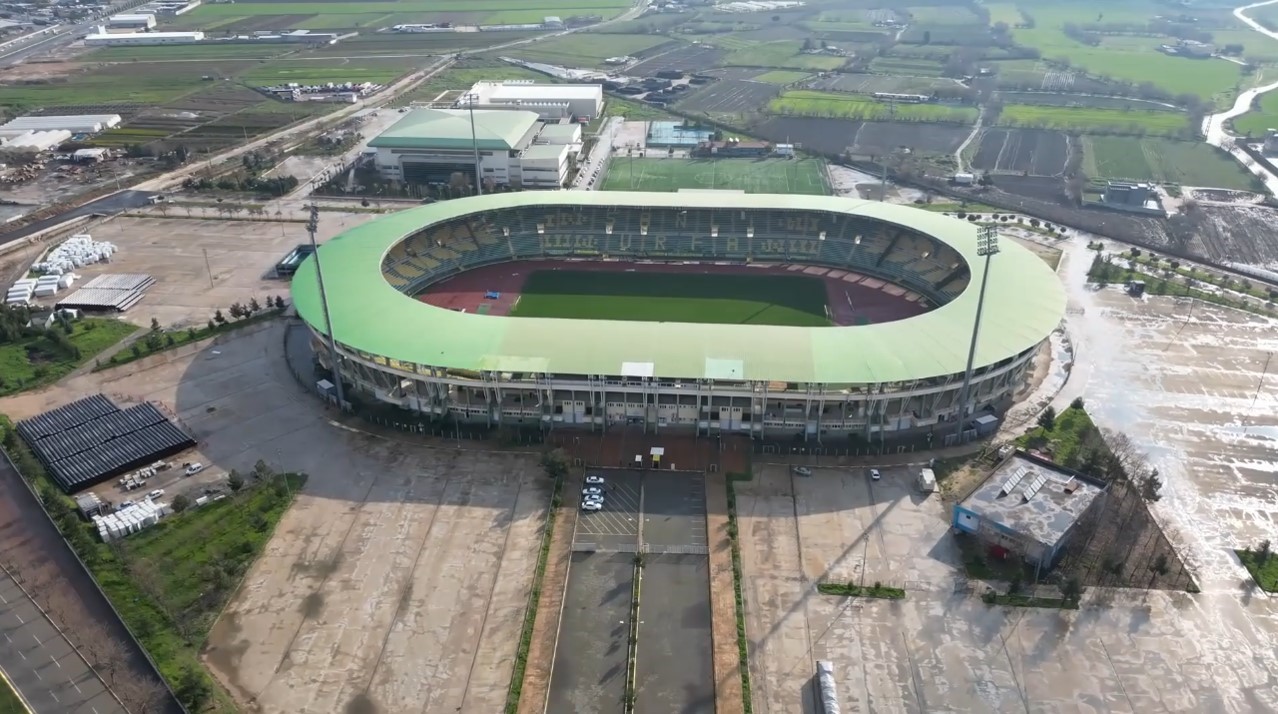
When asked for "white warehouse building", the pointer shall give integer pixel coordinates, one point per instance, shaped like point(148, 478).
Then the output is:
point(131, 21)
point(102, 38)
point(429, 146)
point(551, 101)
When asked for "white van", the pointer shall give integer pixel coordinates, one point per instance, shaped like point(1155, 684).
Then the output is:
point(927, 481)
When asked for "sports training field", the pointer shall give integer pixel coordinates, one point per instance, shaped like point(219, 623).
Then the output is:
point(675, 297)
point(805, 176)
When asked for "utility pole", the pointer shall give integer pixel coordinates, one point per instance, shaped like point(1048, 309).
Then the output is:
point(312, 226)
point(986, 246)
point(474, 142)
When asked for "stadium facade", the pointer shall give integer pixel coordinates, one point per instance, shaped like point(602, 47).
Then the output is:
point(871, 381)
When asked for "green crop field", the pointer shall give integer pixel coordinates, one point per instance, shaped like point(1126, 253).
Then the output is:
point(208, 13)
point(318, 71)
point(781, 54)
point(1085, 119)
point(794, 300)
point(582, 49)
point(781, 76)
point(1261, 118)
point(851, 106)
point(1190, 163)
point(206, 51)
point(801, 176)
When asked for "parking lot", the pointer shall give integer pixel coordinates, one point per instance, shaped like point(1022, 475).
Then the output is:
point(661, 514)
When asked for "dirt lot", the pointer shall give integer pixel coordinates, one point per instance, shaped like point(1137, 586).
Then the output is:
point(832, 136)
point(241, 255)
point(942, 648)
point(1245, 234)
point(400, 577)
point(1041, 153)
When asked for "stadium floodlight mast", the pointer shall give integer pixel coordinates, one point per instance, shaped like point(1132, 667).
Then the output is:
point(312, 226)
point(471, 98)
point(986, 247)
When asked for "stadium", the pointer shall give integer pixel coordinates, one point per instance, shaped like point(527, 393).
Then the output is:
point(776, 316)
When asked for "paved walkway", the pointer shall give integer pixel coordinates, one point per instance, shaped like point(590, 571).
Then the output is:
point(41, 663)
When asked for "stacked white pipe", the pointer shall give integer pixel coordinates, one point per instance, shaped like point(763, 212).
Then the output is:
point(21, 292)
point(47, 286)
point(75, 252)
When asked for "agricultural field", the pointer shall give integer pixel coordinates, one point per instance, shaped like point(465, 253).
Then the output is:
point(792, 300)
point(909, 66)
point(424, 8)
point(143, 84)
point(871, 83)
point(730, 96)
point(1190, 163)
point(781, 54)
point(1021, 151)
point(585, 49)
point(1263, 116)
point(1080, 119)
point(850, 106)
point(941, 15)
point(1007, 13)
point(418, 47)
point(1133, 59)
point(866, 138)
point(793, 176)
point(214, 52)
point(781, 76)
point(378, 70)
point(1069, 99)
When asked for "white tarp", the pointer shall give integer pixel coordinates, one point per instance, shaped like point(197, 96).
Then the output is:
point(829, 693)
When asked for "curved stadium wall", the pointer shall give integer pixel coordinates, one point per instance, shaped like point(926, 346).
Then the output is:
point(866, 380)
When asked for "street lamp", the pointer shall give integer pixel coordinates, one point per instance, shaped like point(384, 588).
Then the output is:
point(471, 98)
point(986, 247)
point(312, 225)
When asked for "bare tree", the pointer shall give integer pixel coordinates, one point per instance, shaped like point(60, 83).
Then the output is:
point(142, 695)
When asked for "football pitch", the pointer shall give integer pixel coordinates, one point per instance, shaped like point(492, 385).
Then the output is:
point(793, 300)
point(805, 176)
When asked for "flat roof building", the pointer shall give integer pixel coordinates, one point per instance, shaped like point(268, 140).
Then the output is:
point(430, 146)
point(132, 21)
point(1028, 506)
point(102, 38)
point(550, 101)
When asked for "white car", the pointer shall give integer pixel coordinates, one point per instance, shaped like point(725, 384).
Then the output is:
point(591, 505)
point(194, 468)
point(592, 491)
point(802, 471)
point(124, 505)
point(155, 494)
point(595, 479)
point(875, 475)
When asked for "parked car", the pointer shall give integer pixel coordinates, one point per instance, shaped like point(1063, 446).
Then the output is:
point(125, 504)
point(595, 479)
point(155, 494)
point(875, 475)
point(591, 505)
point(195, 468)
point(592, 491)
point(802, 471)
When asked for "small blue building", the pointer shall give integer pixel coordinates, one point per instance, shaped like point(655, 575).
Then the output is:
point(1028, 506)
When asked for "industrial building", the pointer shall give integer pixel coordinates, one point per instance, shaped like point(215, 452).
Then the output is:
point(131, 21)
point(102, 38)
point(1028, 507)
point(429, 146)
point(582, 102)
point(74, 123)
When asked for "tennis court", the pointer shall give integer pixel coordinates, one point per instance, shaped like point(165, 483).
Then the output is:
point(792, 176)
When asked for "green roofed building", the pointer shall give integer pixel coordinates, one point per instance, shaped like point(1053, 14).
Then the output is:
point(433, 146)
point(900, 289)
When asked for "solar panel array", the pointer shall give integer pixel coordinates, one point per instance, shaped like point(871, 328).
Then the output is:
point(91, 440)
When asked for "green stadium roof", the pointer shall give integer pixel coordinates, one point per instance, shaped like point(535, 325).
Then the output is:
point(495, 130)
point(1024, 304)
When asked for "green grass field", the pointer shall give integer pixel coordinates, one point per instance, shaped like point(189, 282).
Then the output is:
point(802, 176)
point(793, 300)
point(318, 71)
point(554, 7)
point(1265, 116)
point(1085, 119)
point(808, 103)
point(34, 361)
point(781, 54)
point(9, 701)
point(583, 49)
point(1190, 163)
point(781, 76)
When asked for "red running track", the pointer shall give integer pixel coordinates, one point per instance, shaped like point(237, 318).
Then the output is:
point(852, 298)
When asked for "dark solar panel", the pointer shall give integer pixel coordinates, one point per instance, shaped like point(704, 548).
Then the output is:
point(91, 440)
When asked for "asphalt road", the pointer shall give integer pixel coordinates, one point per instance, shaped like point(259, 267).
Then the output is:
point(115, 203)
point(40, 662)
